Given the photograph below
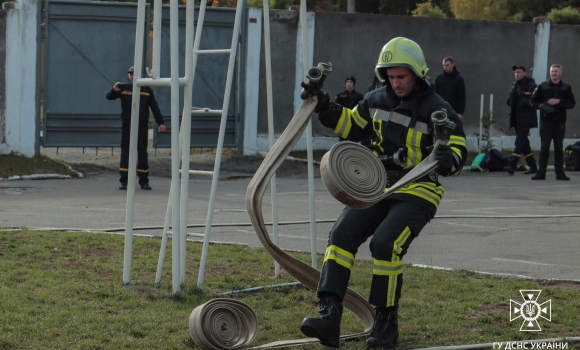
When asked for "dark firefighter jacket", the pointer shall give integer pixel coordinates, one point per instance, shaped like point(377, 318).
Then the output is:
point(348, 99)
point(548, 90)
point(522, 115)
point(147, 100)
point(393, 123)
point(451, 87)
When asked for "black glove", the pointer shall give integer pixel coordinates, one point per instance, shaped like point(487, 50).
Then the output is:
point(444, 156)
point(323, 103)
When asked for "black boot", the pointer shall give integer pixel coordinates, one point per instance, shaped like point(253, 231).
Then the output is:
point(533, 167)
point(385, 330)
point(144, 185)
point(513, 164)
point(540, 175)
point(560, 175)
point(327, 326)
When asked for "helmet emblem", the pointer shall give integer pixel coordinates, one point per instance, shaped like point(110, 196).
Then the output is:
point(387, 56)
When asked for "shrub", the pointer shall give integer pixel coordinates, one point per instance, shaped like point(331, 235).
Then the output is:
point(567, 15)
point(428, 9)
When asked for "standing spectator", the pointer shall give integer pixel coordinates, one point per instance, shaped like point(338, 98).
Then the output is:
point(553, 97)
point(522, 118)
point(349, 98)
point(147, 100)
point(451, 87)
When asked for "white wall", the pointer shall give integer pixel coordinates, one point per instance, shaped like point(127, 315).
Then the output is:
point(21, 78)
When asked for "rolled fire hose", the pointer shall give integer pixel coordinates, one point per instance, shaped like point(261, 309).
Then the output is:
point(357, 178)
point(223, 324)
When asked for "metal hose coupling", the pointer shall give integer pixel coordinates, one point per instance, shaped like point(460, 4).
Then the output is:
point(315, 79)
point(353, 175)
point(442, 125)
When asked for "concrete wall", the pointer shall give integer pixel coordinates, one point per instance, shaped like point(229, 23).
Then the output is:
point(564, 50)
point(484, 52)
point(21, 79)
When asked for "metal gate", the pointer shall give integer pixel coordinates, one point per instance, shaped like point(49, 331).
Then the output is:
point(90, 45)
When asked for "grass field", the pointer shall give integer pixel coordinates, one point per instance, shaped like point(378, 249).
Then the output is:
point(63, 290)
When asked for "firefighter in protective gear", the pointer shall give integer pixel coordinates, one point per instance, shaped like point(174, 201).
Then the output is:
point(146, 100)
point(397, 119)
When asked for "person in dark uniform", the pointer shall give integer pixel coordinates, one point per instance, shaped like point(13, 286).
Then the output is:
point(451, 87)
point(553, 97)
point(146, 101)
point(522, 118)
point(396, 116)
point(349, 97)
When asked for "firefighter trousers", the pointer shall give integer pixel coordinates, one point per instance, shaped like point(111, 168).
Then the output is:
point(142, 162)
point(393, 225)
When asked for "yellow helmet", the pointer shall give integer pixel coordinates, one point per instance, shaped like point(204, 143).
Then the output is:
point(401, 52)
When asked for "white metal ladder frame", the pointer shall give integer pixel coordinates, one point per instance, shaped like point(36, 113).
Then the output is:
point(185, 141)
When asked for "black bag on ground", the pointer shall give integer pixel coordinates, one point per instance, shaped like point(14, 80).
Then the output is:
point(572, 160)
point(497, 160)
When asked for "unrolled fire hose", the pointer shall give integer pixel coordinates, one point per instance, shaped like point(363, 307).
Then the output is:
point(364, 168)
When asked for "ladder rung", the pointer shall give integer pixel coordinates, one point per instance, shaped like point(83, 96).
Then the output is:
point(206, 110)
point(159, 81)
point(198, 172)
point(212, 52)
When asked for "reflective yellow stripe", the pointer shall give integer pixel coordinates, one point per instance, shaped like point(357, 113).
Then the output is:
point(387, 268)
point(123, 169)
point(391, 290)
point(142, 171)
point(399, 242)
point(125, 92)
point(344, 124)
point(413, 143)
point(340, 256)
point(425, 190)
point(358, 119)
point(379, 131)
point(456, 140)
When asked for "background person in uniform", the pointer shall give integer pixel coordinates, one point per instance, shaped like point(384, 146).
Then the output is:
point(553, 97)
point(397, 116)
point(523, 117)
point(349, 97)
point(146, 101)
point(451, 87)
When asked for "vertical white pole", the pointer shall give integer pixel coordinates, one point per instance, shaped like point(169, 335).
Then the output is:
point(186, 134)
point(269, 98)
point(175, 184)
point(313, 249)
point(490, 115)
point(157, 20)
point(480, 124)
point(138, 67)
point(219, 149)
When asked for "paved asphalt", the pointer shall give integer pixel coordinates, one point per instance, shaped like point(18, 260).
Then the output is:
point(489, 222)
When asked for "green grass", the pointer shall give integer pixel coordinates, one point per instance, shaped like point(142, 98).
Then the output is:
point(12, 164)
point(63, 290)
